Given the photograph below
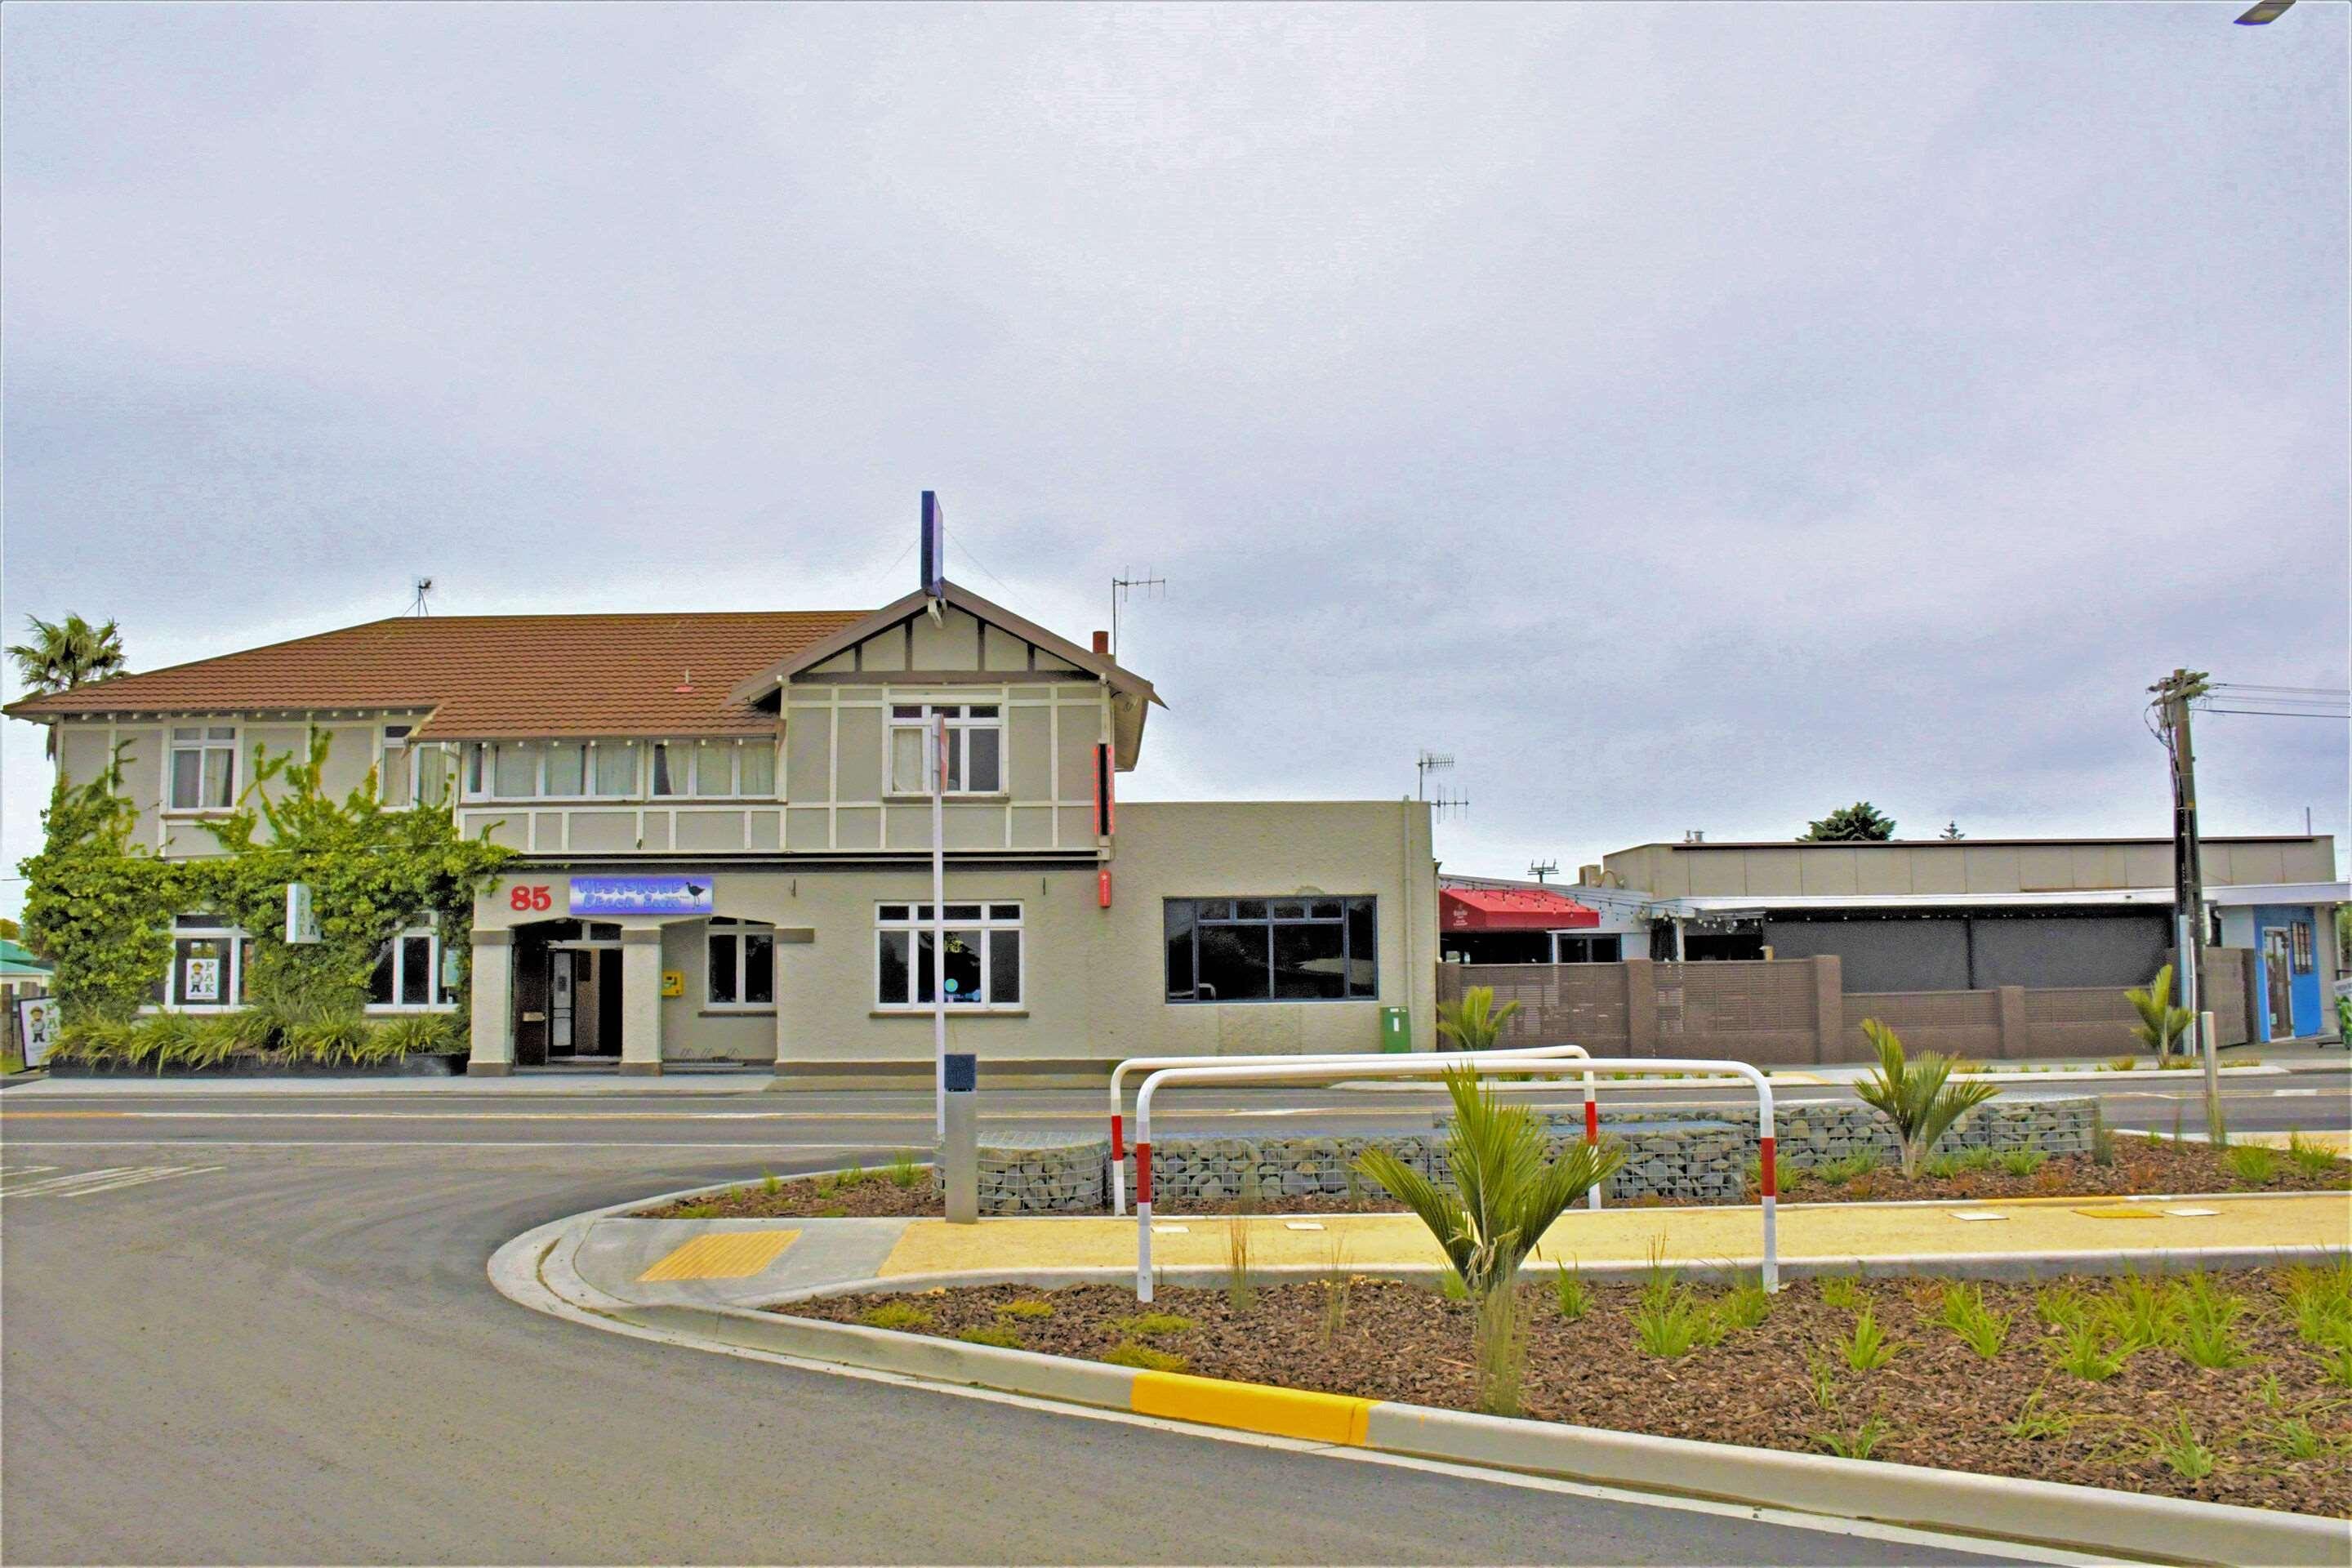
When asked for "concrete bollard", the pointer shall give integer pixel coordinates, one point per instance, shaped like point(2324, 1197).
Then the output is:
point(959, 1151)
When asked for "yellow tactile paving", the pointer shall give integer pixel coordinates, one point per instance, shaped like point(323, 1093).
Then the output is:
point(1817, 1231)
point(723, 1255)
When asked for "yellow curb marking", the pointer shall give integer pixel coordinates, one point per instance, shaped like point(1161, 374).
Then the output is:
point(726, 1255)
point(2123, 1211)
point(1253, 1406)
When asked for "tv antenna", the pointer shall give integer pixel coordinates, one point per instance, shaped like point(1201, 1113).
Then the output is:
point(1426, 764)
point(418, 607)
point(1540, 870)
point(1148, 585)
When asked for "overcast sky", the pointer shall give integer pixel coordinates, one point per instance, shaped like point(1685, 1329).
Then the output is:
point(1688, 416)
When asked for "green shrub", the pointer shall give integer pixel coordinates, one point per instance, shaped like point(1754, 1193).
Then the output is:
point(1841, 1292)
point(418, 1035)
point(1475, 1023)
point(904, 1171)
point(1145, 1357)
point(1837, 1172)
point(2023, 1161)
point(2161, 1024)
point(1745, 1305)
point(1672, 1326)
point(2061, 1305)
point(1150, 1325)
point(2295, 1438)
point(330, 1040)
point(2137, 1312)
point(2103, 1140)
point(1941, 1167)
point(895, 1315)
point(1027, 1307)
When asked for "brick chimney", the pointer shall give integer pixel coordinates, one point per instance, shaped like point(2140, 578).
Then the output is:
point(1102, 644)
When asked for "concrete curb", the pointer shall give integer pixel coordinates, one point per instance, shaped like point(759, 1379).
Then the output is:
point(535, 1269)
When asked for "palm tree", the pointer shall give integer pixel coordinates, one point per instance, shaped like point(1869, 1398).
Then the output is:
point(1917, 1095)
point(2160, 1022)
point(1475, 1023)
point(64, 655)
point(67, 654)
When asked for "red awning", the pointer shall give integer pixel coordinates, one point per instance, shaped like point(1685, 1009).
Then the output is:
point(1510, 909)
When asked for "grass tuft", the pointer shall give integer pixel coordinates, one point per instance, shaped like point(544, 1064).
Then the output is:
point(1573, 1294)
point(1745, 1305)
point(1151, 1325)
point(1867, 1348)
point(1002, 1335)
point(2085, 1354)
point(1980, 1328)
point(2023, 1161)
point(1026, 1306)
point(2036, 1425)
point(1144, 1356)
point(904, 1170)
point(2177, 1449)
point(2252, 1162)
point(895, 1315)
point(1842, 1292)
point(1859, 1444)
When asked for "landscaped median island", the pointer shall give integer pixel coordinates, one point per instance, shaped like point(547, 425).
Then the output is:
point(2226, 1387)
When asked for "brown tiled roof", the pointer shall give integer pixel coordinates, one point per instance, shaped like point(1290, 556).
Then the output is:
point(491, 675)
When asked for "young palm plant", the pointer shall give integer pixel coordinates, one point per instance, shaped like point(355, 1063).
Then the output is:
point(1475, 1023)
point(1504, 1195)
point(1917, 1095)
point(2160, 1022)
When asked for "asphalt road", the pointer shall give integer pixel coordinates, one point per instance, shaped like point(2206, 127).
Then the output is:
point(267, 1336)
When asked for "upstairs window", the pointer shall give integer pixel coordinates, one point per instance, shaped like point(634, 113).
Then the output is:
point(203, 767)
point(714, 770)
point(557, 769)
point(412, 773)
point(1272, 950)
point(743, 971)
point(975, 747)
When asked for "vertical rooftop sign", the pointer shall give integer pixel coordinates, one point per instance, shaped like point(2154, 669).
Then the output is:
point(935, 546)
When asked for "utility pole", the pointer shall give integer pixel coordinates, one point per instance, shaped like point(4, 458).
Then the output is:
point(2173, 695)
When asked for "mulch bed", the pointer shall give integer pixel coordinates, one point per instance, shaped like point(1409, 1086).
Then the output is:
point(2141, 1165)
point(1941, 1404)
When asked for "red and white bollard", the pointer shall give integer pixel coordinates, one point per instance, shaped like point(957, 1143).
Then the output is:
point(1767, 1179)
point(1143, 1222)
point(1592, 1136)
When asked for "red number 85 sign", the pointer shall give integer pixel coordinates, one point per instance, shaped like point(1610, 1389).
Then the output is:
point(535, 896)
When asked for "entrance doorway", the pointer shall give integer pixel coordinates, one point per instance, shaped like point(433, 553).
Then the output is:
point(567, 991)
point(583, 1000)
point(2278, 981)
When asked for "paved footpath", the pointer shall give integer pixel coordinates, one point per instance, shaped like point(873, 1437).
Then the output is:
point(680, 1260)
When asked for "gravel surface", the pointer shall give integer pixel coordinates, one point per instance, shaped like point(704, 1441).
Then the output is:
point(1939, 1402)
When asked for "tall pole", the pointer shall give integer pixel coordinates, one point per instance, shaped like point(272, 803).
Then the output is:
point(940, 924)
point(2174, 692)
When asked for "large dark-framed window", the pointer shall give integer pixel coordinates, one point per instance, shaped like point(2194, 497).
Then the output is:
point(1317, 949)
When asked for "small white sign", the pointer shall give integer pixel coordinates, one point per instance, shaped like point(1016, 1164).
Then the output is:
point(1302, 1224)
point(36, 1027)
point(301, 917)
point(2192, 1214)
point(201, 982)
point(1171, 1230)
point(1977, 1214)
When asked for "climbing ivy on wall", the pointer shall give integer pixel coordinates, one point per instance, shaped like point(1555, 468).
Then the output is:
point(100, 907)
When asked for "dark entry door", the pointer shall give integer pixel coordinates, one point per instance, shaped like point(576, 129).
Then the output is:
point(2278, 981)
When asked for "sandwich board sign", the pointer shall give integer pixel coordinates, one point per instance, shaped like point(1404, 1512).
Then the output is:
point(36, 1027)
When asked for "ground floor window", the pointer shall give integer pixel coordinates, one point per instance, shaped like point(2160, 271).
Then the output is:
point(1272, 950)
point(209, 958)
point(983, 955)
point(411, 974)
point(1587, 949)
point(743, 964)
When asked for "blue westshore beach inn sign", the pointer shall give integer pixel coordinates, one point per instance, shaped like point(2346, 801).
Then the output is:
point(641, 895)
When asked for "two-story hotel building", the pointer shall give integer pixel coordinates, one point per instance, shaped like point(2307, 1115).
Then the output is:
point(723, 824)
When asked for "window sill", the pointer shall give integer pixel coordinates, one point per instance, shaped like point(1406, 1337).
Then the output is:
point(952, 797)
point(407, 1009)
point(721, 1010)
point(925, 1012)
point(197, 813)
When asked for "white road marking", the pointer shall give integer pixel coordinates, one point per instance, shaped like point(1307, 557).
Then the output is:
point(112, 1178)
point(2293, 1093)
